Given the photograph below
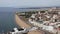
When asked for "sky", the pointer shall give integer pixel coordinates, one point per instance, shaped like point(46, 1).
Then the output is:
point(29, 3)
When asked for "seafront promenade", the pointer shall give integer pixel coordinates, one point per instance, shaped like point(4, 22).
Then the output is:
point(22, 24)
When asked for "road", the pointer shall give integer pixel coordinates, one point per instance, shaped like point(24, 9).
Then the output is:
point(22, 24)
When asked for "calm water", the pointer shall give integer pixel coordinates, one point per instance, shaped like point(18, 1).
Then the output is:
point(7, 21)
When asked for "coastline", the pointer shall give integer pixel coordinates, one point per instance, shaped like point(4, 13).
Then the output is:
point(22, 24)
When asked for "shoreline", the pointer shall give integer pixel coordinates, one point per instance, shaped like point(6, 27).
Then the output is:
point(22, 24)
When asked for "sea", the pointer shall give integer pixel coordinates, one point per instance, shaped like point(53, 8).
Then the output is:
point(7, 22)
point(7, 18)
